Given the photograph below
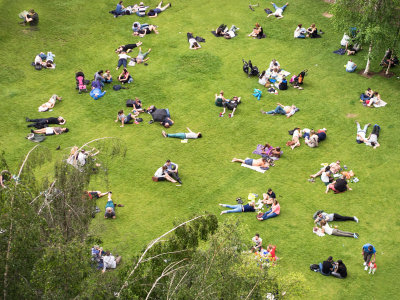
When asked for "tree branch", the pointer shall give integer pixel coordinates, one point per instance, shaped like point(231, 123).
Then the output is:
point(23, 164)
point(147, 259)
point(5, 283)
point(98, 139)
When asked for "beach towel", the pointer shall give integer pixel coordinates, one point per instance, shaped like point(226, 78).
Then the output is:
point(341, 51)
point(380, 103)
point(258, 169)
point(259, 149)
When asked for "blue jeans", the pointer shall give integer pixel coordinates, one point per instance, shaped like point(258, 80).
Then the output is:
point(350, 70)
point(234, 208)
point(301, 36)
point(277, 110)
point(266, 216)
point(121, 62)
point(276, 6)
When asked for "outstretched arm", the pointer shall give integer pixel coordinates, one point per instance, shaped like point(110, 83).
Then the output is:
point(189, 129)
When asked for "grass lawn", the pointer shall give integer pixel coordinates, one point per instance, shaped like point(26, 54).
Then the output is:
point(83, 36)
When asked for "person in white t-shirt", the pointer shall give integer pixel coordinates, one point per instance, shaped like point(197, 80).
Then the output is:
point(278, 10)
point(333, 231)
point(345, 41)
point(372, 140)
point(182, 136)
point(257, 243)
point(110, 261)
point(300, 32)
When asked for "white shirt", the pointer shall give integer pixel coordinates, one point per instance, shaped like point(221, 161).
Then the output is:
point(38, 59)
point(292, 111)
point(325, 177)
point(257, 241)
point(191, 43)
point(328, 230)
point(159, 172)
point(272, 65)
point(191, 135)
point(372, 139)
point(345, 40)
point(123, 56)
point(109, 262)
point(296, 133)
point(278, 12)
point(297, 32)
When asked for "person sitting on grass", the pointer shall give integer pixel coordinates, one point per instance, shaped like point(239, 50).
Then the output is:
point(295, 142)
point(42, 123)
point(127, 47)
point(282, 84)
point(274, 64)
point(278, 10)
point(257, 243)
point(119, 9)
point(350, 66)
point(321, 215)
point(50, 130)
point(96, 194)
point(98, 76)
point(220, 99)
point(182, 136)
point(375, 101)
point(257, 32)
point(125, 119)
point(274, 211)
point(300, 32)
point(231, 104)
point(338, 186)
point(138, 106)
point(333, 231)
point(368, 94)
point(312, 32)
point(282, 110)
point(153, 13)
point(372, 139)
point(107, 77)
point(172, 170)
point(125, 77)
point(326, 267)
point(162, 174)
point(334, 168)
point(141, 57)
point(49, 104)
point(31, 18)
point(261, 162)
point(110, 261)
point(268, 197)
point(238, 208)
point(339, 270)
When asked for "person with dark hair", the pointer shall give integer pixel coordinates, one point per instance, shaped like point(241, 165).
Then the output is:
point(137, 106)
point(172, 170)
point(167, 122)
point(96, 194)
point(299, 32)
point(193, 43)
point(127, 47)
point(361, 133)
point(274, 211)
point(220, 99)
point(372, 139)
point(282, 84)
point(261, 162)
point(321, 215)
point(238, 208)
point(141, 57)
point(125, 77)
point(333, 231)
point(339, 270)
point(51, 130)
point(268, 197)
point(257, 243)
point(312, 32)
point(49, 104)
point(142, 30)
point(182, 136)
point(270, 152)
point(231, 104)
point(368, 251)
point(98, 76)
point(119, 9)
point(31, 18)
point(42, 123)
point(327, 266)
point(338, 186)
point(123, 60)
point(257, 32)
point(110, 261)
point(288, 111)
point(125, 119)
point(278, 10)
point(107, 76)
point(153, 13)
point(162, 174)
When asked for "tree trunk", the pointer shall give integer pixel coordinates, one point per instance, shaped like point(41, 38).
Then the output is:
point(366, 71)
point(389, 65)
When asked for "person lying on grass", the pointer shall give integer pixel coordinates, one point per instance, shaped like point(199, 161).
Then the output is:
point(123, 60)
point(231, 104)
point(50, 130)
point(288, 111)
point(125, 77)
point(193, 43)
point(313, 139)
point(110, 208)
point(162, 174)
point(96, 194)
point(325, 228)
point(372, 139)
point(182, 136)
point(127, 47)
point(125, 119)
point(278, 10)
point(153, 13)
point(110, 261)
point(272, 213)
point(338, 186)
point(261, 162)
point(257, 32)
point(361, 133)
point(145, 29)
point(238, 208)
point(42, 123)
point(295, 142)
point(269, 151)
point(141, 57)
point(49, 104)
point(321, 215)
point(334, 168)
point(223, 30)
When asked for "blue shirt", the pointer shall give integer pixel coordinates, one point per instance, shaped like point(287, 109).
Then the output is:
point(365, 249)
point(118, 9)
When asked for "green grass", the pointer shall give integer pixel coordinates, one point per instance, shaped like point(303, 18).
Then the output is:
point(83, 36)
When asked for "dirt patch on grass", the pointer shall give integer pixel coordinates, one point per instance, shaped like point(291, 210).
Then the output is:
point(383, 74)
point(351, 115)
point(328, 15)
point(369, 75)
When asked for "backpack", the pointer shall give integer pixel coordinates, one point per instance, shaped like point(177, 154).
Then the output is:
point(130, 103)
point(38, 67)
point(314, 267)
point(139, 120)
point(117, 87)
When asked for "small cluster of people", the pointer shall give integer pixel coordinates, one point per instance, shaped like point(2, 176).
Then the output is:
point(274, 76)
point(226, 32)
point(311, 138)
point(372, 98)
point(104, 259)
point(265, 256)
point(231, 104)
point(168, 172)
point(44, 61)
point(321, 218)
point(139, 9)
point(372, 139)
point(302, 33)
point(331, 268)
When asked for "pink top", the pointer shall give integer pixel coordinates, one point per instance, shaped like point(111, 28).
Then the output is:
point(276, 209)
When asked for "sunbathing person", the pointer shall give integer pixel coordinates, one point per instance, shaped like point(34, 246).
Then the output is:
point(50, 130)
point(338, 186)
point(182, 136)
point(125, 119)
point(278, 10)
point(272, 213)
point(125, 77)
point(193, 43)
point(315, 138)
point(361, 133)
point(96, 194)
point(334, 168)
point(261, 162)
point(269, 151)
point(42, 123)
point(49, 104)
point(141, 57)
point(333, 231)
point(372, 139)
point(288, 111)
point(110, 208)
point(238, 208)
point(321, 215)
point(153, 13)
point(162, 174)
point(127, 47)
point(223, 30)
point(257, 32)
point(231, 104)
point(145, 29)
point(295, 142)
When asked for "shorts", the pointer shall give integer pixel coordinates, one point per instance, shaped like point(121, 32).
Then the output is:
point(93, 195)
point(49, 130)
point(249, 161)
point(157, 10)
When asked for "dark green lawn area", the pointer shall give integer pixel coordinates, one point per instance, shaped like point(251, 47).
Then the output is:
point(83, 36)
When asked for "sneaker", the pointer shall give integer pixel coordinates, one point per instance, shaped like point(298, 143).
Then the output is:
point(221, 115)
point(355, 219)
point(180, 181)
point(366, 268)
point(365, 263)
point(230, 115)
point(356, 235)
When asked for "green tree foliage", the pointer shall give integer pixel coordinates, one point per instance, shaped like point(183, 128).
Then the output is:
point(378, 22)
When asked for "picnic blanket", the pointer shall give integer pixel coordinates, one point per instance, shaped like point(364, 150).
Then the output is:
point(259, 149)
point(341, 51)
point(280, 74)
point(258, 169)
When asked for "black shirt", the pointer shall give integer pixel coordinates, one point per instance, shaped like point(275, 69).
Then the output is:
point(326, 267)
point(342, 270)
point(138, 104)
point(167, 121)
point(340, 185)
point(151, 13)
point(52, 121)
point(35, 19)
point(272, 195)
